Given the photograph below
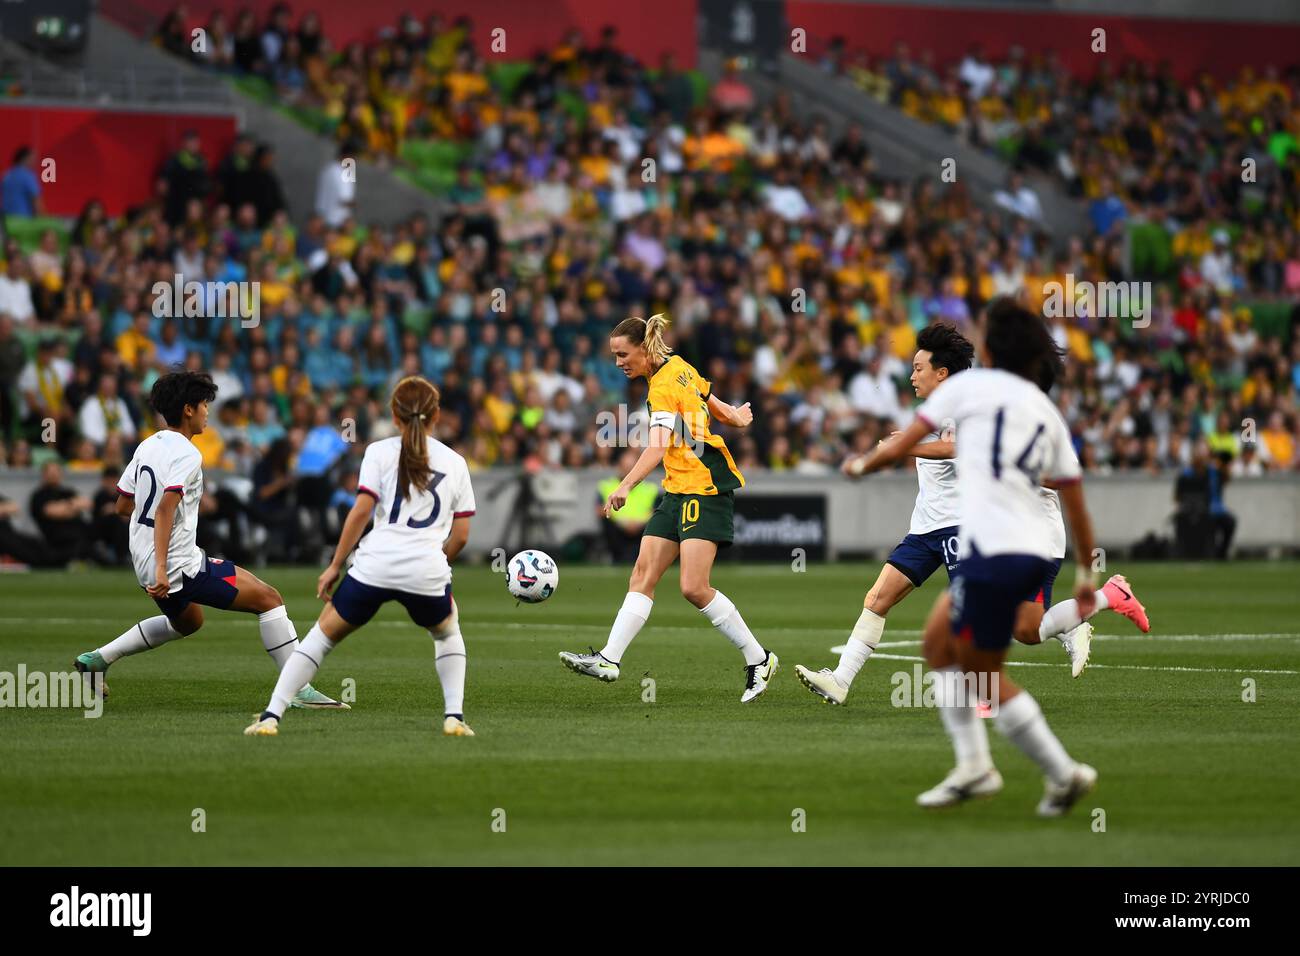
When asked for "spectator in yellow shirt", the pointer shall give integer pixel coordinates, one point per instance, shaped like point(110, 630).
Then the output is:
point(135, 346)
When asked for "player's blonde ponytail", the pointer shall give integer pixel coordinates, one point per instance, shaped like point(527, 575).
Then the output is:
point(648, 333)
point(414, 405)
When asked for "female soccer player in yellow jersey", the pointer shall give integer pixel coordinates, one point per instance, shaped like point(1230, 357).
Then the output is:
point(695, 514)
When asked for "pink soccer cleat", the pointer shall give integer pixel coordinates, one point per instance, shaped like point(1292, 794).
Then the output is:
point(1123, 601)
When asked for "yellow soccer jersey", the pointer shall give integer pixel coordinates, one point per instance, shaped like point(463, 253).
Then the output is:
point(699, 464)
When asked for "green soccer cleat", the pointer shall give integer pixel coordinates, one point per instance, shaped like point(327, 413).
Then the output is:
point(92, 667)
point(312, 699)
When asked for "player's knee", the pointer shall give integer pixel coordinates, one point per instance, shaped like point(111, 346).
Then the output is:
point(642, 579)
point(697, 593)
point(268, 599)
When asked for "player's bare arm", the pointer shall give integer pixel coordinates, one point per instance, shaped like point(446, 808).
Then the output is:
point(738, 416)
point(893, 449)
point(458, 538)
point(163, 520)
point(650, 459)
point(354, 526)
point(1076, 512)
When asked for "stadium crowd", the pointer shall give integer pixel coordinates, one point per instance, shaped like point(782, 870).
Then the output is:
point(796, 276)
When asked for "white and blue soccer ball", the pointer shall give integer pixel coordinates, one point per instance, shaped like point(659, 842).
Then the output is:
point(532, 576)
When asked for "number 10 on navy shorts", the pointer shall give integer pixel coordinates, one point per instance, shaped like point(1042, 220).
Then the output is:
point(919, 555)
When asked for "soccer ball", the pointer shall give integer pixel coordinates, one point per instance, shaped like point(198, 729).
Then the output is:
point(532, 576)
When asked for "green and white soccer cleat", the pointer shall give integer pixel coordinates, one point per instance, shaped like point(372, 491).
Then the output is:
point(593, 665)
point(823, 683)
point(1078, 644)
point(758, 676)
point(1058, 798)
point(960, 785)
point(309, 697)
point(92, 667)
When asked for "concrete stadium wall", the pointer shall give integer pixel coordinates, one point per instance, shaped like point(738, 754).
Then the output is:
point(862, 517)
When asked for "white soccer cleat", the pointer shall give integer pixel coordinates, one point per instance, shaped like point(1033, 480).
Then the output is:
point(263, 727)
point(823, 683)
point(1058, 798)
point(455, 727)
point(593, 665)
point(758, 676)
point(1078, 644)
point(960, 785)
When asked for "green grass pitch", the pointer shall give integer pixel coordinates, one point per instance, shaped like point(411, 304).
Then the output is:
point(582, 772)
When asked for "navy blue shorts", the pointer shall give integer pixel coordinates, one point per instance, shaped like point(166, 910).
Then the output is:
point(987, 592)
point(919, 555)
point(357, 603)
point(1049, 578)
point(213, 586)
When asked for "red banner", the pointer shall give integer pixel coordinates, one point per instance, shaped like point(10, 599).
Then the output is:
point(1220, 48)
point(111, 155)
point(646, 30)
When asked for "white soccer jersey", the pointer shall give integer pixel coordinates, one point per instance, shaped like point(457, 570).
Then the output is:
point(403, 550)
point(936, 496)
point(1052, 505)
point(1010, 438)
point(165, 461)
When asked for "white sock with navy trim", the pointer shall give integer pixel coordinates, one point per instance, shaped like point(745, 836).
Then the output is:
point(148, 634)
point(278, 634)
point(296, 673)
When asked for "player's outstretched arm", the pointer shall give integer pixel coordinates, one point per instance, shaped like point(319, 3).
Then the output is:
point(651, 458)
point(942, 449)
point(740, 416)
point(354, 525)
point(1076, 511)
point(889, 451)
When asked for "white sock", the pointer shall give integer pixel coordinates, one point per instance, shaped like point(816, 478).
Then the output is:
point(278, 634)
point(863, 640)
point(631, 616)
point(1022, 722)
point(449, 661)
point(1065, 617)
point(297, 672)
point(145, 636)
point(966, 730)
point(723, 615)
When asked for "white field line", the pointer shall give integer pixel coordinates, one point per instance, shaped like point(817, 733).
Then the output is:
point(1114, 667)
point(484, 622)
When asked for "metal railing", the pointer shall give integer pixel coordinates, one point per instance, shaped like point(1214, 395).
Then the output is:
point(128, 84)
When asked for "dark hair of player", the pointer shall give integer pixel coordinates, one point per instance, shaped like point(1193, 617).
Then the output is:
point(1018, 342)
point(948, 348)
point(173, 391)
